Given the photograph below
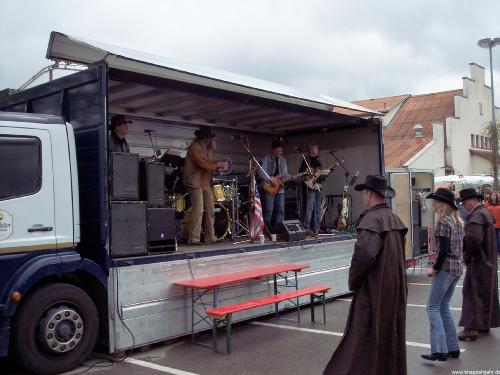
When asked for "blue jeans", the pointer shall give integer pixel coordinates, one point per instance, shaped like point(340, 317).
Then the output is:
point(444, 337)
point(313, 210)
point(274, 205)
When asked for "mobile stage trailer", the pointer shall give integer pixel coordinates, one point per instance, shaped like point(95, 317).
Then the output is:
point(134, 296)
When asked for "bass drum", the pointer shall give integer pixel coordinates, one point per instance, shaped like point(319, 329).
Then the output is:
point(222, 222)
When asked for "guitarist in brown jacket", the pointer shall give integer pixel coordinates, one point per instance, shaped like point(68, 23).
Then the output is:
point(272, 173)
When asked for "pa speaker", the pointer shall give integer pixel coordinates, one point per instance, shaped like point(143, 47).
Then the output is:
point(128, 229)
point(293, 230)
point(152, 181)
point(161, 230)
point(124, 176)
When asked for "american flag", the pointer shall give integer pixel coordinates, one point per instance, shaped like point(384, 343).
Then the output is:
point(256, 216)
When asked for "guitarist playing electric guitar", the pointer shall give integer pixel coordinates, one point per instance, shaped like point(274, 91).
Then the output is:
point(316, 175)
point(272, 174)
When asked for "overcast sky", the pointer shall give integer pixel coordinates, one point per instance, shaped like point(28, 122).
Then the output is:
point(346, 49)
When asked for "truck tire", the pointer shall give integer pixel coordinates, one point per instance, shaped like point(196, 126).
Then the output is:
point(55, 329)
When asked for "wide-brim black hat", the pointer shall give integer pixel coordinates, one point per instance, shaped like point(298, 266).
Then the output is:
point(204, 133)
point(117, 120)
point(470, 193)
point(444, 195)
point(378, 184)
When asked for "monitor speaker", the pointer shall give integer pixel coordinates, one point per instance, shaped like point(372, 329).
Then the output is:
point(161, 230)
point(128, 229)
point(293, 230)
point(152, 178)
point(124, 176)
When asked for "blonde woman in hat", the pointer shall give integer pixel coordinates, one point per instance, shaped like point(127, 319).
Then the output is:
point(446, 271)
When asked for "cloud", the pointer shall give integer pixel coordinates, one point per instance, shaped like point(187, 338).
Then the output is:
point(349, 50)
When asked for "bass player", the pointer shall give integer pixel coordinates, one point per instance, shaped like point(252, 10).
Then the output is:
point(316, 174)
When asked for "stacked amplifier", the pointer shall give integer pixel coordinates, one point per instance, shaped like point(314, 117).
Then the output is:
point(140, 222)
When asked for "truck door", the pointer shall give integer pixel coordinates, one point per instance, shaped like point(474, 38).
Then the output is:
point(401, 205)
point(26, 190)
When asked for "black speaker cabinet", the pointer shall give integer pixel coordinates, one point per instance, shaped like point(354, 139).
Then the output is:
point(124, 176)
point(152, 182)
point(161, 230)
point(128, 229)
point(416, 242)
point(293, 230)
point(424, 239)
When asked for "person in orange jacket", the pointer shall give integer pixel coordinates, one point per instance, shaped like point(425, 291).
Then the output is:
point(493, 205)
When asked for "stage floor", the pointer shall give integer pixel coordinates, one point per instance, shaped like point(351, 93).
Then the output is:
point(245, 244)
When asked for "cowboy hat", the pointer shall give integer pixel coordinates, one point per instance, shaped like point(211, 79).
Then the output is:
point(378, 184)
point(444, 195)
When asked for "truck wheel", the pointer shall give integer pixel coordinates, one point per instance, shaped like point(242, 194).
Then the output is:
point(55, 329)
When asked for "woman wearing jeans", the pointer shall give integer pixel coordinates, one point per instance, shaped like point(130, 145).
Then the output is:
point(446, 271)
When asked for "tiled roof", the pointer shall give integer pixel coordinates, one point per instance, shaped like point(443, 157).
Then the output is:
point(382, 104)
point(398, 151)
point(400, 143)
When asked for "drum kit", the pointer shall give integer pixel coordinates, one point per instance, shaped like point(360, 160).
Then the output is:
point(230, 213)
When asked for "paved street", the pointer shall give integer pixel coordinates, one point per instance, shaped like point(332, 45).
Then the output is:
point(267, 346)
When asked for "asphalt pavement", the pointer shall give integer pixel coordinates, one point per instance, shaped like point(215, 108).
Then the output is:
point(270, 346)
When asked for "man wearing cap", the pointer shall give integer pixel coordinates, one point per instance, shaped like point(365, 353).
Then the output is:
point(119, 129)
point(374, 340)
point(199, 169)
point(480, 309)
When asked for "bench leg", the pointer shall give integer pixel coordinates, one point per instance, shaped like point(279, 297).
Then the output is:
point(192, 316)
point(214, 334)
point(312, 307)
point(276, 308)
point(324, 307)
point(228, 334)
point(298, 304)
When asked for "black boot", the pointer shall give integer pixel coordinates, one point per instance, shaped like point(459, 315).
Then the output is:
point(454, 354)
point(435, 357)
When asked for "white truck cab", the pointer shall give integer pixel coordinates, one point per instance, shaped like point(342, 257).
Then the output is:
point(39, 207)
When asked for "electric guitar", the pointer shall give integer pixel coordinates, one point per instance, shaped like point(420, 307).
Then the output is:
point(272, 189)
point(310, 180)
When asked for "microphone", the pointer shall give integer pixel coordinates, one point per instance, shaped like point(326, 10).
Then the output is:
point(298, 149)
point(236, 137)
point(354, 178)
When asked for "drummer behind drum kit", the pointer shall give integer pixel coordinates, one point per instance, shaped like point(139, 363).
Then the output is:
point(228, 207)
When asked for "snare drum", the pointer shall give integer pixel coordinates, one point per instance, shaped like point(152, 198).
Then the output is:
point(219, 195)
point(177, 201)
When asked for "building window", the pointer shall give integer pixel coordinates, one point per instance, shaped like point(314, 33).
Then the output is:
point(481, 109)
point(472, 140)
point(478, 144)
point(483, 143)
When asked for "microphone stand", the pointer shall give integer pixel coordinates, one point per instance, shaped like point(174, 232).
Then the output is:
point(254, 159)
point(346, 174)
point(149, 131)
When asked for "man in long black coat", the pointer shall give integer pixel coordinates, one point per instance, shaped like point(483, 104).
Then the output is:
point(374, 340)
point(480, 308)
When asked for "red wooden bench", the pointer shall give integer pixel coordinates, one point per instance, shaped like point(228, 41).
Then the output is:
point(223, 314)
point(202, 285)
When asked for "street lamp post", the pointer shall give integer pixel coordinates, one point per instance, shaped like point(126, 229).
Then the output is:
point(490, 43)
